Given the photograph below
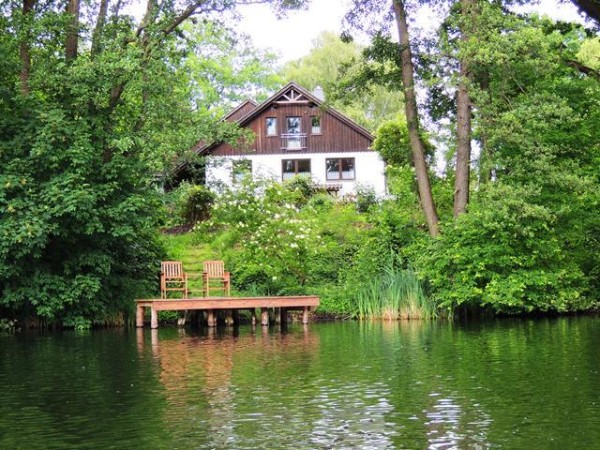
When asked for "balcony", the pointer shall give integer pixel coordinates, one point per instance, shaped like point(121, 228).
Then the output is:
point(293, 141)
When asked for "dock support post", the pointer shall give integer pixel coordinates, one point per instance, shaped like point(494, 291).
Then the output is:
point(211, 318)
point(283, 316)
point(305, 315)
point(229, 317)
point(139, 316)
point(140, 338)
point(253, 312)
point(153, 318)
point(235, 314)
point(264, 317)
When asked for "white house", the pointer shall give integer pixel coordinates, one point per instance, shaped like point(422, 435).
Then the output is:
point(296, 134)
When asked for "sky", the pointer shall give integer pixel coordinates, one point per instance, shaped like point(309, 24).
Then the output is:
point(293, 37)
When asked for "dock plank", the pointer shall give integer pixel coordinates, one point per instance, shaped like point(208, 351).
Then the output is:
point(303, 302)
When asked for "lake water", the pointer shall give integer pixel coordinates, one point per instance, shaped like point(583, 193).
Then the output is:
point(513, 384)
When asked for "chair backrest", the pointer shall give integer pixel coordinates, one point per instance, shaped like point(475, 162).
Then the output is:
point(172, 269)
point(214, 268)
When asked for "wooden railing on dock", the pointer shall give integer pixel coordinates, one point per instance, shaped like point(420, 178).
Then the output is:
point(212, 304)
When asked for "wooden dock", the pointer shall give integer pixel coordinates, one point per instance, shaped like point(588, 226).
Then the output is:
point(212, 304)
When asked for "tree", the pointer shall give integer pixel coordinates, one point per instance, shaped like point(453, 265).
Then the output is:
point(86, 122)
point(363, 16)
point(412, 120)
point(463, 113)
point(330, 65)
point(392, 142)
point(527, 242)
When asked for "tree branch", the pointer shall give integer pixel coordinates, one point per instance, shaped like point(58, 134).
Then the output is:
point(183, 16)
point(584, 69)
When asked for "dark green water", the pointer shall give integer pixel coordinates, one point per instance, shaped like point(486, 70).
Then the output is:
point(514, 384)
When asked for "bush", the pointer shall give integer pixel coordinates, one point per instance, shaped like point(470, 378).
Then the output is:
point(321, 202)
point(505, 254)
point(188, 204)
point(273, 247)
point(197, 204)
point(304, 187)
point(365, 198)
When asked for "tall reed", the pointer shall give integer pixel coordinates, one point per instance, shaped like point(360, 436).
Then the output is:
point(395, 294)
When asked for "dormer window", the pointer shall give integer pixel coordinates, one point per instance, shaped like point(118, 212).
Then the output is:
point(271, 126)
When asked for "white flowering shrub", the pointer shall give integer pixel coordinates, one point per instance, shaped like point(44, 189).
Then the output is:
point(270, 240)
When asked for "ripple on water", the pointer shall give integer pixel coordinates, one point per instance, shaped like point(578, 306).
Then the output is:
point(330, 386)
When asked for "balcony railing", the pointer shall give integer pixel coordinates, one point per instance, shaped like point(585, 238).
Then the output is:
point(293, 141)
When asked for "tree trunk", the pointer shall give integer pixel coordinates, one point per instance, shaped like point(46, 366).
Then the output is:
point(72, 30)
point(24, 47)
point(412, 119)
point(97, 34)
point(485, 159)
point(463, 144)
point(463, 117)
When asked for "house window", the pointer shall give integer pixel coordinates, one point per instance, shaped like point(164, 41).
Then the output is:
point(339, 169)
point(315, 124)
point(293, 167)
point(271, 126)
point(241, 169)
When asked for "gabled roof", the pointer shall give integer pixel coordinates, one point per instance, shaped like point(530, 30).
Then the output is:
point(241, 110)
point(291, 93)
point(294, 93)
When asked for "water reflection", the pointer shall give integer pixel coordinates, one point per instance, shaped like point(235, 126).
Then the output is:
point(203, 376)
point(454, 424)
point(370, 385)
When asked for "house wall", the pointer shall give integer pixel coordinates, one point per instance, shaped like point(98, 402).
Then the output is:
point(338, 137)
point(335, 133)
point(369, 169)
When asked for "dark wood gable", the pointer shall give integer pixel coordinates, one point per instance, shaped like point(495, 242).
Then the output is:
point(242, 110)
point(294, 112)
point(291, 97)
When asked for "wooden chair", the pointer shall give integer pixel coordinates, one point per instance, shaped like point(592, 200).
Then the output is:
point(215, 277)
point(172, 278)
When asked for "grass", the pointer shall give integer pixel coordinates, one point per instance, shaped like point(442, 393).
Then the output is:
point(185, 248)
point(395, 294)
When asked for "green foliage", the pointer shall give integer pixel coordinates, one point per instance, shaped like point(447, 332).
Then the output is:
point(77, 237)
point(270, 239)
point(366, 198)
point(304, 187)
point(8, 325)
point(392, 143)
point(321, 202)
point(525, 244)
point(224, 66)
point(188, 204)
point(330, 63)
point(394, 294)
point(506, 254)
point(276, 242)
point(82, 138)
point(589, 53)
